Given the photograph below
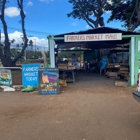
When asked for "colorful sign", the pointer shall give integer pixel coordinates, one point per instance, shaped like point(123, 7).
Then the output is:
point(93, 37)
point(48, 81)
point(5, 77)
point(30, 75)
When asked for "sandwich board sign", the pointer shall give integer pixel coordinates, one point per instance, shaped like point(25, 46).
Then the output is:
point(48, 81)
point(5, 77)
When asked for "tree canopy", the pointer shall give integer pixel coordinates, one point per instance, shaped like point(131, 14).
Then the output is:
point(127, 11)
point(89, 10)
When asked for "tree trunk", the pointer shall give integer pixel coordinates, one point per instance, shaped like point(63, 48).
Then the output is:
point(7, 62)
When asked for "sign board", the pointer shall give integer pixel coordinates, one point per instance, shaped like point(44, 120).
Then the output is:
point(93, 37)
point(30, 75)
point(48, 81)
point(5, 77)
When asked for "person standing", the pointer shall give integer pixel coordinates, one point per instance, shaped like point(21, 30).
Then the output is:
point(113, 57)
point(104, 62)
point(74, 60)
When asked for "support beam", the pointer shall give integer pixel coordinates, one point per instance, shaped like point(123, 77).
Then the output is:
point(51, 48)
point(132, 59)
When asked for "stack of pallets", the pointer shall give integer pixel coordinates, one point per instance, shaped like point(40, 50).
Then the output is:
point(124, 71)
point(112, 74)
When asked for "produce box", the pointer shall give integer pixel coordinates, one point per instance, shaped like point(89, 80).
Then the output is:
point(112, 74)
point(62, 66)
point(62, 83)
point(71, 67)
point(123, 68)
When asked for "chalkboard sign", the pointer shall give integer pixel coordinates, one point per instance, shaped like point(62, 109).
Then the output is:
point(30, 75)
point(48, 81)
point(5, 77)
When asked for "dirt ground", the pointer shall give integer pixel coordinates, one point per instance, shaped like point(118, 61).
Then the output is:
point(91, 109)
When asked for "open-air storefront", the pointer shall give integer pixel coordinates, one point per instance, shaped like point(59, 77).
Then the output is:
point(101, 38)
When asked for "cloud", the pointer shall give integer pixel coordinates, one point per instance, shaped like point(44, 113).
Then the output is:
point(12, 12)
point(30, 3)
point(47, 1)
point(74, 23)
point(41, 44)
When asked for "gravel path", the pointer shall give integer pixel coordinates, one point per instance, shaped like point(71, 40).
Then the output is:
point(91, 109)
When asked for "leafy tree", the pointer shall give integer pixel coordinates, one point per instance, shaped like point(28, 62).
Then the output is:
point(31, 43)
point(89, 10)
point(18, 47)
point(127, 11)
point(13, 40)
point(68, 54)
point(5, 55)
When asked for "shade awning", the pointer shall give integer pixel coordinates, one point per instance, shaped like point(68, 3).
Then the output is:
point(95, 44)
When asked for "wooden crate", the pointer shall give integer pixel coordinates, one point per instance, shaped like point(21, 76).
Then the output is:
point(123, 69)
point(121, 83)
point(123, 72)
point(112, 74)
point(62, 66)
point(124, 64)
point(71, 67)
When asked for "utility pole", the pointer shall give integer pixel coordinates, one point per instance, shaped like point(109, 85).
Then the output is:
point(35, 46)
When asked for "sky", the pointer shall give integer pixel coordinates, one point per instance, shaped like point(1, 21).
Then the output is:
point(43, 18)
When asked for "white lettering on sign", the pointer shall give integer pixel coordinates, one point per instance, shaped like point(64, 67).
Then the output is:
point(31, 74)
point(93, 37)
point(31, 78)
point(30, 69)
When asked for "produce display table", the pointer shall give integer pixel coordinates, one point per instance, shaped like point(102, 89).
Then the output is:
point(66, 71)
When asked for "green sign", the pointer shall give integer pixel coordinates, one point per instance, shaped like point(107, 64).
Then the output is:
point(5, 77)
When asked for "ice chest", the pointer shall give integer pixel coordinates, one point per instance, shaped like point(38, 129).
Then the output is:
point(48, 81)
